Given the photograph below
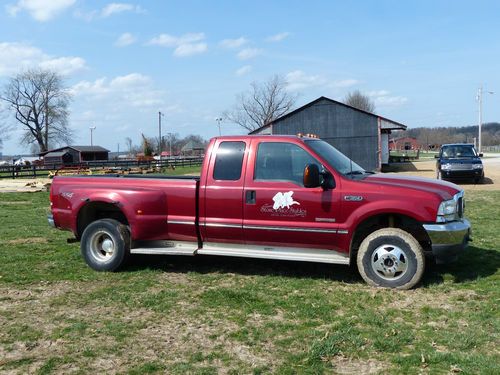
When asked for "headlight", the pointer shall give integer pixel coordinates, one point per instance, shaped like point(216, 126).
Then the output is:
point(452, 209)
point(446, 166)
point(477, 166)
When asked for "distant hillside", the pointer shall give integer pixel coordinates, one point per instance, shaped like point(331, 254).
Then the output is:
point(491, 134)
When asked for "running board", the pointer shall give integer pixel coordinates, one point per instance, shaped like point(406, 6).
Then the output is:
point(269, 252)
point(165, 248)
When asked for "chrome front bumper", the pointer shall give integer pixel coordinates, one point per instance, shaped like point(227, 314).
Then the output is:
point(448, 239)
point(50, 219)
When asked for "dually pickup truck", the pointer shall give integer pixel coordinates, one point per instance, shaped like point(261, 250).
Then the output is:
point(275, 197)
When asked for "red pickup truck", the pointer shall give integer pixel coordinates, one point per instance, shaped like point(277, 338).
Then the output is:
point(274, 197)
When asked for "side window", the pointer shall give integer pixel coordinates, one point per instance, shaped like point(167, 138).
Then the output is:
point(279, 161)
point(229, 161)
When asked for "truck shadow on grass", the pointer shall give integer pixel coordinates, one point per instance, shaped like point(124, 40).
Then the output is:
point(474, 263)
point(204, 264)
point(486, 181)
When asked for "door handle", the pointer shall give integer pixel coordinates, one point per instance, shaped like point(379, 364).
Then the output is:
point(250, 197)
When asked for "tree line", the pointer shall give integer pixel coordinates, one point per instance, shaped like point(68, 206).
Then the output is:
point(440, 135)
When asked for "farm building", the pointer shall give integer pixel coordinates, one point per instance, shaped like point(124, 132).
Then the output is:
point(74, 154)
point(192, 148)
point(404, 143)
point(362, 136)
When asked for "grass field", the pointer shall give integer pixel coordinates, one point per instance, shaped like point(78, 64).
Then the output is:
point(222, 315)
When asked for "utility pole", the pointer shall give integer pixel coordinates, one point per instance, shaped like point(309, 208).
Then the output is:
point(480, 100)
point(219, 120)
point(92, 128)
point(159, 132)
point(46, 122)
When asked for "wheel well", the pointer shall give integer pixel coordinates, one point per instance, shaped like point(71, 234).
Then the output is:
point(95, 211)
point(374, 223)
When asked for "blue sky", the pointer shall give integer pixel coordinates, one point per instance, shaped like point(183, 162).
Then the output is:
point(421, 61)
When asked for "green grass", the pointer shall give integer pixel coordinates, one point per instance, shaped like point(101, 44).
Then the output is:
point(202, 315)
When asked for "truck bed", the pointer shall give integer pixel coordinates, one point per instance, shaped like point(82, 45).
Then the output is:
point(155, 207)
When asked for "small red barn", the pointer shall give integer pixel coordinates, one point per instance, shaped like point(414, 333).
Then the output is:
point(404, 143)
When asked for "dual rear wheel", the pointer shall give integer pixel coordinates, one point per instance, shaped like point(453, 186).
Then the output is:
point(105, 245)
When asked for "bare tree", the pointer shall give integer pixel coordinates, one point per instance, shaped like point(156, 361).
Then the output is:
point(129, 144)
point(39, 102)
point(4, 128)
point(147, 146)
point(262, 104)
point(360, 101)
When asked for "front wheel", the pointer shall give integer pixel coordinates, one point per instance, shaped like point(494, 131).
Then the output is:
point(105, 245)
point(391, 258)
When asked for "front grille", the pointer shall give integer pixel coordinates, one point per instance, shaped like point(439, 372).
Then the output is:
point(461, 167)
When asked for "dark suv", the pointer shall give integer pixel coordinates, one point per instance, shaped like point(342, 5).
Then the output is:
point(459, 161)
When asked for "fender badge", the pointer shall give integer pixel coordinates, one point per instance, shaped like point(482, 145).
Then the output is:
point(353, 198)
point(324, 220)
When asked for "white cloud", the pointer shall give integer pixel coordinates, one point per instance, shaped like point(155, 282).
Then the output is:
point(132, 90)
point(383, 98)
point(344, 83)
point(185, 50)
point(298, 80)
point(248, 53)
point(378, 93)
point(15, 57)
point(167, 40)
point(40, 10)
point(115, 8)
point(185, 45)
point(277, 37)
point(125, 39)
point(233, 43)
point(64, 65)
point(243, 70)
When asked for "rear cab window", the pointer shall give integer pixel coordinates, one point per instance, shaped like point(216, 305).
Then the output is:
point(229, 161)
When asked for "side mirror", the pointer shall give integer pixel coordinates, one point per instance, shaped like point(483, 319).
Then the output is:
point(311, 176)
point(436, 156)
point(481, 155)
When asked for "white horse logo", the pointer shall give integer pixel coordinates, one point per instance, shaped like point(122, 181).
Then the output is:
point(282, 200)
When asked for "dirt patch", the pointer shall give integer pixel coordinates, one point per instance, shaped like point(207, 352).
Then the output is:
point(349, 366)
point(29, 240)
point(417, 298)
point(24, 185)
point(54, 311)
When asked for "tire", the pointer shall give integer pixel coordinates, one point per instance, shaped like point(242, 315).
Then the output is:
point(391, 258)
point(105, 245)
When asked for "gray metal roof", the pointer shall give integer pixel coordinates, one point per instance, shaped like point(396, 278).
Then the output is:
point(56, 154)
point(89, 148)
point(386, 124)
point(78, 149)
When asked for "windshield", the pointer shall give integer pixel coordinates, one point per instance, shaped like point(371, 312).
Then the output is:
point(335, 158)
point(458, 151)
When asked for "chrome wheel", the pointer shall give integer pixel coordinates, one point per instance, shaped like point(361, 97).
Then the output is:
point(102, 246)
point(389, 262)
